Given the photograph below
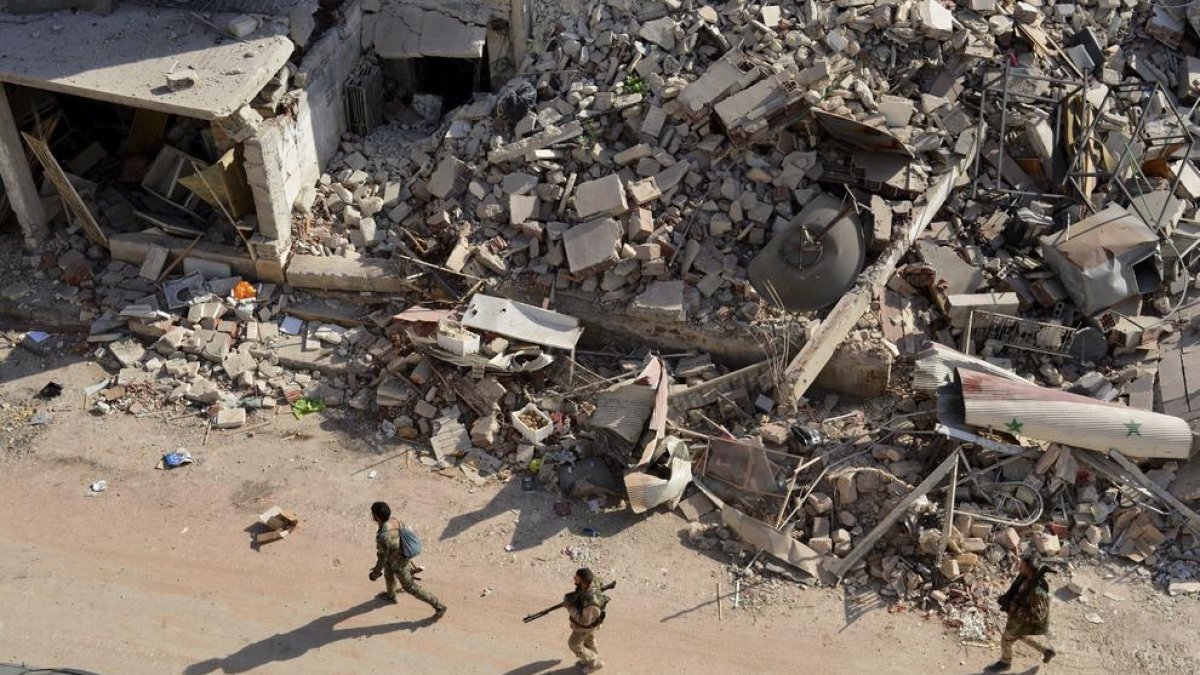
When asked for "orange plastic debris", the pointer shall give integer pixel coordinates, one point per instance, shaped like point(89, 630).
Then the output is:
point(244, 290)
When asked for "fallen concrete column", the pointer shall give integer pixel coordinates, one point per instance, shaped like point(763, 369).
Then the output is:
point(334, 273)
point(807, 365)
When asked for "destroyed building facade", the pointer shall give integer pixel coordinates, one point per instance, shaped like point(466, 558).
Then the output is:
point(649, 251)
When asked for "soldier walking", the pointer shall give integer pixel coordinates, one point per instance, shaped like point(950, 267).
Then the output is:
point(585, 610)
point(1027, 603)
point(393, 564)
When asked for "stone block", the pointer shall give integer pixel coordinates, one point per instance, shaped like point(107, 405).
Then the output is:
point(633, 154)
point(522, 208)
point(127, 352)
point(639, 225)
point(592, 244)
point(644, 191)
point(847, 491)
point(601, 197)
point(230, 418)
point(447, 178)
point(662, 300)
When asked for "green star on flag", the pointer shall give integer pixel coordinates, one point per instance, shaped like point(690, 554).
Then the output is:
point(1135, 428)
point(1014, 426)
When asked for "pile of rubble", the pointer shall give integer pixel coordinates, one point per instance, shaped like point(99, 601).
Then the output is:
point(998, 198)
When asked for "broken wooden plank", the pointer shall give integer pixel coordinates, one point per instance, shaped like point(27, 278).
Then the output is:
point(67, 191)
point(868, 542)
point(1157, 490)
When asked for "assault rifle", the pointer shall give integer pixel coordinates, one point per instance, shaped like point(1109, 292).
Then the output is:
point(537, 615)
point(1007, 599)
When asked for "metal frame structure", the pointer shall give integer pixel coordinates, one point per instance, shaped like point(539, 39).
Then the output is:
point(1004, 77)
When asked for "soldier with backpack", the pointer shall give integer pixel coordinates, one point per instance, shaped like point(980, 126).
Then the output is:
point(395, 547)
point(585, 610)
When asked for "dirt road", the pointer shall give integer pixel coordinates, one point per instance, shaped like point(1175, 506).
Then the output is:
point(158, 575)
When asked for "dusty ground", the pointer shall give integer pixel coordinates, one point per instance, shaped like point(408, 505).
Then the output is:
point(158, 574)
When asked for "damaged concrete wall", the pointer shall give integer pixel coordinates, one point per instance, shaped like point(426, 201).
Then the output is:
point(406, 29)
point(324, 72)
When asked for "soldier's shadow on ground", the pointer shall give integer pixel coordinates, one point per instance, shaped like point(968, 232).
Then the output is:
point(295, 643)
point(536, 518)
point(1031, 671)
point(543, 668)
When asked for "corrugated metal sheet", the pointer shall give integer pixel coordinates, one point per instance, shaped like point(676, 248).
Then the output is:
point(647, 491)
point(621, 414)
point(935, 367)
point(1027, 410)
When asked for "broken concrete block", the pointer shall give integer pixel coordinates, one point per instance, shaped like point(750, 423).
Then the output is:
point(178, 80)
point(962, 304)
point(897, 111)
point(639, 225)
point(242, 25)
point(425, 409)
point(127, 352)
point(484, 430)
point(1047, 543)
point(631, 155)
point(935, 19)
point(660, 31)
point(446, 179)
point(518, 184)
point(644, 191)
point(521, 208)
point(236, 363)
point(230, 418)
point(662, 300)
point(152, 266)
point(592, 244)
point(601, 197)
point(847, 491)
point(653, 123)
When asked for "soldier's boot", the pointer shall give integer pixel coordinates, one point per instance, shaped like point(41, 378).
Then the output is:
point(439, 610)
point(1048, 654)
point(998, 667)
point(387, 597)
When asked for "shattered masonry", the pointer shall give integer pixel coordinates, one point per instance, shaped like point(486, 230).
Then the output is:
point(889, 291)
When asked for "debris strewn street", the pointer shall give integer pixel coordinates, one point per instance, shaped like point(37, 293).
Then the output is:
point(872, 297)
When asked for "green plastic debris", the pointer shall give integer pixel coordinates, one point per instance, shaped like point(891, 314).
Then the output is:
point(304, 406)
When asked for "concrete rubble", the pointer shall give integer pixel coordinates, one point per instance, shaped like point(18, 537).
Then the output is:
point(946, 194)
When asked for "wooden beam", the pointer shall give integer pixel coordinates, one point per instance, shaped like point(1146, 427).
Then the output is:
point(69, 196)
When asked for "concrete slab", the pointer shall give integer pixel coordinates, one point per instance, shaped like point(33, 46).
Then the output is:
point(661, 300)
point(123, 57)
point(601, 197)
point(592, 244)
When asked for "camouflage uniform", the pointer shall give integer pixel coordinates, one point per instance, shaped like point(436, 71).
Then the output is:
point(389, 559)
point(585, 610)
point(1028, 605)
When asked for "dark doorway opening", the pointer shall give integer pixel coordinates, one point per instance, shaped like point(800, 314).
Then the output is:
point(455, 80)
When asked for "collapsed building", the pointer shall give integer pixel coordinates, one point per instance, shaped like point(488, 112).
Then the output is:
point(794, 268)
